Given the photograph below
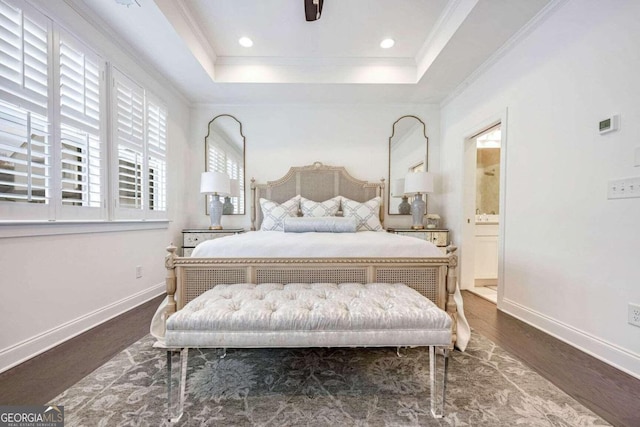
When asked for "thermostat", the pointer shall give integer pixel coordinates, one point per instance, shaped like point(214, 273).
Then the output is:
point(609, 124)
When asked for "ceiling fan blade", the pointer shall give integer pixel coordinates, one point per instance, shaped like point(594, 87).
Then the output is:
point(313, 9)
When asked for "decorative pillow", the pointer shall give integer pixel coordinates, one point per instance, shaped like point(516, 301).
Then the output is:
point(273, 213)
point(327, 224)
point(366, 214)
point(327, 208)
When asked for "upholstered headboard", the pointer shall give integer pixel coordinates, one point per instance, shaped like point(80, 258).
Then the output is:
point(315, 182)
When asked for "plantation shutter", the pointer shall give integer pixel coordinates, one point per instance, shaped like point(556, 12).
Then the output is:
point(25, 143)
point(81, 144)
point(23, 55)
point(128, 119)
point(157, 154)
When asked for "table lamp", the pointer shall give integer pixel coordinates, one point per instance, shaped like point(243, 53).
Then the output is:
point(216, 184)
point(417, 184)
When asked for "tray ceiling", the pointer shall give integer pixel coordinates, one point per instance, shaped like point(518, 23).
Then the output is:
point(194, 43)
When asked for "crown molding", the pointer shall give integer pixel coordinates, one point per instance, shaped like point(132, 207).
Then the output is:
point(185, 23)
point(196, 27)
point(454, 15)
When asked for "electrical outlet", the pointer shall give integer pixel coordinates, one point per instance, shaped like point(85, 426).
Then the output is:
point(138, 271)
point(634, 314)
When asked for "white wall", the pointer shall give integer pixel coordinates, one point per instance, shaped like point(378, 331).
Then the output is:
point(570, 255)
point(281, 136)
point(54, 287)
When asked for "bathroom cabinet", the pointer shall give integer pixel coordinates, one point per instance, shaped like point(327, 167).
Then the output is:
point(486, 254)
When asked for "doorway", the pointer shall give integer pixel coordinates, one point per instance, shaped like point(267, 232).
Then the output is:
point(483, 179)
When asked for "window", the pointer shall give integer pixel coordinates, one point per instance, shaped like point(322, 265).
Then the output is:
point(140, 147)
point(54, 142)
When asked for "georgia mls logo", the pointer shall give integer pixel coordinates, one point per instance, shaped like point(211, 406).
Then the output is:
point(31, 416)
point(57, 411)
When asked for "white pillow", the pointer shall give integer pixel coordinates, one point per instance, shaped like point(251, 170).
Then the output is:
point(273, 213)
point(367, 213)
point(327, 224)
point(327, 208)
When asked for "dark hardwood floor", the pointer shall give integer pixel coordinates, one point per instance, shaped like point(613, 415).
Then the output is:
point(38, 380)
point(610, 393)
point(607, 391)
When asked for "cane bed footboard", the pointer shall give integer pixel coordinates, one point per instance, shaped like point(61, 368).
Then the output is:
point(435, 278)
point(199, 275)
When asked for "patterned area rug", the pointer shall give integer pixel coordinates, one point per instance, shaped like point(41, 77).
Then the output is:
point(321, 387)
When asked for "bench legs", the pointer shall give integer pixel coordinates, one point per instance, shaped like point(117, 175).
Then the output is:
point(176, 386)
point(438, 361)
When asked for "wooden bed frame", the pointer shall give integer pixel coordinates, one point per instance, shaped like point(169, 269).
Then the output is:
point(434, 278)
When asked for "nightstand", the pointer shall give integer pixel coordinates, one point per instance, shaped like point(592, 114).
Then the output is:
point(437, 236)
point(191, 237)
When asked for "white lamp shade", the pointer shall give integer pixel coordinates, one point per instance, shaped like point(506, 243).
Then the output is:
point(418, 182)
point(235, 188)
point(215, 183)
point(398, 188)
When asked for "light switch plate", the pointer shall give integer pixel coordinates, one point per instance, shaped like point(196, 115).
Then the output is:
point(625, 188)
point(634, 314)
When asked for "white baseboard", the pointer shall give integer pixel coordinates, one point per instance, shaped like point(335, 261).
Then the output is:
point(18, 353)
point(609, 353)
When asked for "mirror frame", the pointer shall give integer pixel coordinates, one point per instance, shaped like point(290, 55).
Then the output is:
point(426, 158)
point(244, 157)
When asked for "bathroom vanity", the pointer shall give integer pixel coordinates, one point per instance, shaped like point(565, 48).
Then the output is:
point(486, 250)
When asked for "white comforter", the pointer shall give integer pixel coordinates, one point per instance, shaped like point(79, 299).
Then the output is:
point(276, 244)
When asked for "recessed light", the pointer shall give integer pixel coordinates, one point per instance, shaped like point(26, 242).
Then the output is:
point(245, 42)
point(387, 43)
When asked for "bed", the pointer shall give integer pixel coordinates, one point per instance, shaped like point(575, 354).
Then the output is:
point(421, 267)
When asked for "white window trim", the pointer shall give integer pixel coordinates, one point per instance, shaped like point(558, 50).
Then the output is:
point(12, 229)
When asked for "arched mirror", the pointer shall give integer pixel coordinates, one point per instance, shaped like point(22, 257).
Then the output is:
point(224, 152)
point(408, 152)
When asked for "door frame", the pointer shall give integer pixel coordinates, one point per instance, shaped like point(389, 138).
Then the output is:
point(468, 205)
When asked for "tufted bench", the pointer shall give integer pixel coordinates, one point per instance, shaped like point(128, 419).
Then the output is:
point(310, 315)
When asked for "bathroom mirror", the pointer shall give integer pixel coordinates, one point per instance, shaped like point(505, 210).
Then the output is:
point(408, 152)
point(224, 152)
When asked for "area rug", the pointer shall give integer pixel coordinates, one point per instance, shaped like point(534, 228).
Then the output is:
point(321, 387)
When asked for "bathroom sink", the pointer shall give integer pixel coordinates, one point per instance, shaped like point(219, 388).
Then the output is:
point(487, 219)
